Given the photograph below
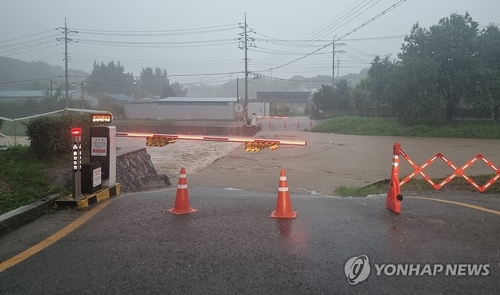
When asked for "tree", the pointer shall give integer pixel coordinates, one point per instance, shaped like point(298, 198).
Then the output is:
point(342, 94)
point(361, 95)
point(323, 98)
point(415, 95)
point(153, 82)
point(452, 44)
point(174, 90)
point(178, 89)
point(168, 91)
point(380, 74)
point(489, 73)
point(110, 78)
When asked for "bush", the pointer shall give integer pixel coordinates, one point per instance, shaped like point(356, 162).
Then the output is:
point(51, 138)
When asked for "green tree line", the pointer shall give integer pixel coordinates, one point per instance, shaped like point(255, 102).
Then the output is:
point(450, 66)
point(111, 78)
point(105, 78)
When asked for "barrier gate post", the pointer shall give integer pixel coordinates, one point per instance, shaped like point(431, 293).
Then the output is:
point(394, 197)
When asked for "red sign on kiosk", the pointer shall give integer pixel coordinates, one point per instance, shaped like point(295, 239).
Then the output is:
point(77, 132)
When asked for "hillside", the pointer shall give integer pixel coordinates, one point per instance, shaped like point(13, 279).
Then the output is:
point(264, 83)
point(16, 74)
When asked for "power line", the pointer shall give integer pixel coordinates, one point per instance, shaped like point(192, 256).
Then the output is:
point(28, 44)
point(27, 81)
point(26, 51)
point(287, 41)
point(19, 38)
point(206, 74)
point(345, 35)
point(205, 43)
point(216, 61)
point(348, 12)
point(204, 30)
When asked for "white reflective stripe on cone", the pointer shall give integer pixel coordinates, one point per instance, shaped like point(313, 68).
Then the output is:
point(182, 186)
point(282, 177)
point(283, 189)
point(182, 175)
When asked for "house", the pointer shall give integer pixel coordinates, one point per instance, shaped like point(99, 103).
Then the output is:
point(120, 98)
point(286, 103)
point(183, 108)
point(88, 99)
point(18, 95)
point(15, 95)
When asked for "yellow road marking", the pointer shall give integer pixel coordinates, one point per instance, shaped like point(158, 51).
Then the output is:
point(55, 237)
point(460, 204)
point(63, 232)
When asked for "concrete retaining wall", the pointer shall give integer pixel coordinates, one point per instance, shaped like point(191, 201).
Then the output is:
point(135, 171)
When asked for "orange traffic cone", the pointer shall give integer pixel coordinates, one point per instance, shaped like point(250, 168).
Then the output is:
point(283, 204)
point(181, 205)
point(394, 197)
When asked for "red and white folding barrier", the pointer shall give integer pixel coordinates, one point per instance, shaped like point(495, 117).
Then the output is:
point(394, 197)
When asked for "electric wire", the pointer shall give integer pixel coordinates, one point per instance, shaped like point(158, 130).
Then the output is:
point(345, 35)
point(355, 7)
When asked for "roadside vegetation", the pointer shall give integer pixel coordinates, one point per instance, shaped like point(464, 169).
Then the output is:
point(393, 127)
point(418, 185)
point(8, 129)
point(23, 178)
point(30, 173)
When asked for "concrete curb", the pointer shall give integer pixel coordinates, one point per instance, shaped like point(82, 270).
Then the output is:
point(24, 214)
point(87, 200)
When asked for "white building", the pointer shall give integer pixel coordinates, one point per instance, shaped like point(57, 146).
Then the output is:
point(183, 108)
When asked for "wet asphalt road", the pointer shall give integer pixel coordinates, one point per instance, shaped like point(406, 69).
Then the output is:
point(231, 245)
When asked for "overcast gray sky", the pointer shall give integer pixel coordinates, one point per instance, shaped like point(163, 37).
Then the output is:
point(196, 41)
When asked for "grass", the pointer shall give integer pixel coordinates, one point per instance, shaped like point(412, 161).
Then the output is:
point(8, 128)
point(23, 178)
point(391, 127)
point(382, 187)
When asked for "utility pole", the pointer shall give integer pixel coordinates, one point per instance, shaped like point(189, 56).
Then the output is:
point(244, 46)
point(50, 88)
point(245, 107)
point(66, 60)
point(333, 60)
point(66, 41)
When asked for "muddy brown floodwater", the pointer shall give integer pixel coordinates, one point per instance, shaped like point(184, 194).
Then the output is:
point(327, 162)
